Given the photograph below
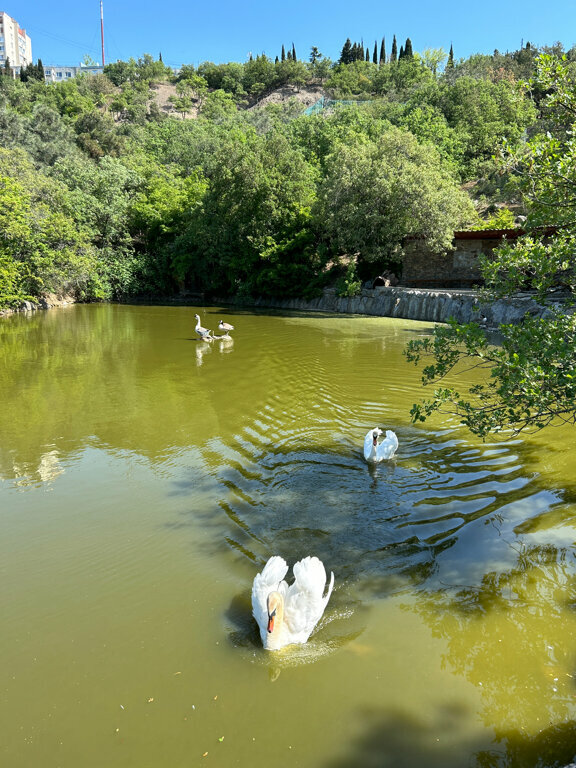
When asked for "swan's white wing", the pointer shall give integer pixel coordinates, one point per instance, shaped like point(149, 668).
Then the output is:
point(388, 446)
point(305, 601)
point(269, 580)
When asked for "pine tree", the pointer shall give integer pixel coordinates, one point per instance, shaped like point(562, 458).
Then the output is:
point(276, 61)
point(294, 53)
point(408, 49)
point(401, 54)
point(367, 55)
point(160, 57)
point(394, 54)
point(283, 53)
point(314, 54)
point(40, 71)
point(375, 54)
point(450, 62)
point(346, 54)
point(383, 51)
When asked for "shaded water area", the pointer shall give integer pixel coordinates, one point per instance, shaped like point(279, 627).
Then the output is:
point(145, 478)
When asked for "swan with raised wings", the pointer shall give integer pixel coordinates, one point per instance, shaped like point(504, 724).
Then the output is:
point(288, 614)
point(203, 333)
point(375, 451)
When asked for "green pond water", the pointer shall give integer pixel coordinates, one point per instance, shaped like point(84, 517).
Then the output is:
point(146, 477)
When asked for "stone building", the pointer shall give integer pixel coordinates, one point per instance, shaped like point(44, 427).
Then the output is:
point(456, 268)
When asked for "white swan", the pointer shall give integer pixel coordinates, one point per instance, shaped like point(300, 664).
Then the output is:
point(375, 451)
point(288, 614)
point(226, 327)
point(203, 333)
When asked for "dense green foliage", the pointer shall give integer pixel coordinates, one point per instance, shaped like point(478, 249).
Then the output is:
point(105, 195)
point(530, 378)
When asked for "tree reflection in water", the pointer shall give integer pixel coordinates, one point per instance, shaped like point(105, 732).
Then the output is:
point(511, 638)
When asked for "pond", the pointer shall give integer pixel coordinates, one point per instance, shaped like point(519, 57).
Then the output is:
point(146, 477)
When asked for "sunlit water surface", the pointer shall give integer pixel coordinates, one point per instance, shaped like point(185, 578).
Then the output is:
point(145, 477)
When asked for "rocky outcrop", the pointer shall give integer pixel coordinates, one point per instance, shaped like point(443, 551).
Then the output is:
point(45, 302)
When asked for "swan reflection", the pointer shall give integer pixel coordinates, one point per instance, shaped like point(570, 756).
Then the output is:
point(202, 348)
point(224, 344)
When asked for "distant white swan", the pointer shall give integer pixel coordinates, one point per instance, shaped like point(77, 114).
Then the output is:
point(375, 451)
point(203, 333)
point(288, 614)
point(226, 327)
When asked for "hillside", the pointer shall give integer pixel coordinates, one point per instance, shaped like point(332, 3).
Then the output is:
point(306, 95)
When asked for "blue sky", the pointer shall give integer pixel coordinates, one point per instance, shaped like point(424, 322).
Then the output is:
point(189, 33)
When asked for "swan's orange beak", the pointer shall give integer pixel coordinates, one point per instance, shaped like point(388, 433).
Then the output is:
point(271, 621)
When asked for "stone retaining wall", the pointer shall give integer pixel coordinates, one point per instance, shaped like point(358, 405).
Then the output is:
point(417, 304)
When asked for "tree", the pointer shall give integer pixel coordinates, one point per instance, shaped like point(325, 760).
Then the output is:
point(450, 62)
point(375, 53)
point(408, 49)
point(382, 52)
point(394, 54)
point(294, 57)
point(251, 234)
point(376, 193)
point(433, 58)
point(529, 381)
point(346, 53)
point(42, 248)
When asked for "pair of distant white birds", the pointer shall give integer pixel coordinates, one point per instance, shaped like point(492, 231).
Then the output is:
point(206, 334)
point(287, 614)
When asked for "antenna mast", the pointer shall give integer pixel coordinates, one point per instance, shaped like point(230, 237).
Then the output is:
point(102, 31)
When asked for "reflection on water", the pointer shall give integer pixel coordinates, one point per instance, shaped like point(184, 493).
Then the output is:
point(176, 468)
point(48, 469)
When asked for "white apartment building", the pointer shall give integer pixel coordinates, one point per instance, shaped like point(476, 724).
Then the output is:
point(15, 44)
point(59, 74)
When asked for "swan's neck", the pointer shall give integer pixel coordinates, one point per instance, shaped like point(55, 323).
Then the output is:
point(275, 606)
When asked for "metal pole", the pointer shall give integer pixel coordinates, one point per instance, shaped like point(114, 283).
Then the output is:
point(102, 31)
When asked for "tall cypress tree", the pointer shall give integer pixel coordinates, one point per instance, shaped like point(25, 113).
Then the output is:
point(354, 52)
point(375, 54)
point(394, 54)
point(40, 70)
point(450, 62)
point(383, 51)
point(346, 53)
point(283, 53)
point(294, 53)
point(408, 49)
point(401, 54)
point(7, 68)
